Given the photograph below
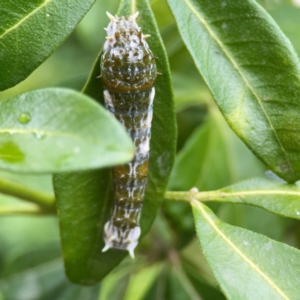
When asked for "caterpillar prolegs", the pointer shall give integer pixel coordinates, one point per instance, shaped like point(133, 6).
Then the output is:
point(128, 73)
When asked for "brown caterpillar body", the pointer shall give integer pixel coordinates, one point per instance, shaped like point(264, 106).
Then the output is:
point(128, 73)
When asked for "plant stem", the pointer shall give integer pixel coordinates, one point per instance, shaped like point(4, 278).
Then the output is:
point(30, 209)
point(201, 196)
point(15, 189)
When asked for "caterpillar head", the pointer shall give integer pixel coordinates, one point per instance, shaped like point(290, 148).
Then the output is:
point(124, 239)
point(127, 63)
point(123, 31)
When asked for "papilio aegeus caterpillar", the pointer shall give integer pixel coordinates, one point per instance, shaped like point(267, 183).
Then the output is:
point(128, 73)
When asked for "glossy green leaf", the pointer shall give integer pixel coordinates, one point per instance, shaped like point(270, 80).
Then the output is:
point(54, 130)
point(247, 265)
point(83, 203)
point(253, 73)
point(84, 199)
point(266, 191)
point(30, 31)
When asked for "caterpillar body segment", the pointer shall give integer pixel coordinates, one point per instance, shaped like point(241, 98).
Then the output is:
point(128, 73)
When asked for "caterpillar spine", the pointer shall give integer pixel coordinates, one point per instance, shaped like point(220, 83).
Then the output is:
point(128, 73)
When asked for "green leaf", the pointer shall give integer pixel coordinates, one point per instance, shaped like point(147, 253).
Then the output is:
point(54, 130)
point(187, 90)
point(173, 282)
point(141, 281)
point(253, 73)
point(30, 31)
point(266, 191)
point(180, 288)
point(84, 199)
point(158, 289)
point(83, 203)
point(192, 257)
point(115, 284)
point(212, 158)
point(247, 265)
point(206, 291)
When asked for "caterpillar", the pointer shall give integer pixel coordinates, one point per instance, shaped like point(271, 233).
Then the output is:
point(128, 73)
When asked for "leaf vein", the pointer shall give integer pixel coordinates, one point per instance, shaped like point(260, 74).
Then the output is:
point(42, 132)
point(24, 19)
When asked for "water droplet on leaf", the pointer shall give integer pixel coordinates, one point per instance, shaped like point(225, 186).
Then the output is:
point(39, 135)
point(24, 118)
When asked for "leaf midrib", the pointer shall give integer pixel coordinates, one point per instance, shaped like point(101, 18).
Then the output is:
point(43, 133)
point(200, 208)
point(258, 193)
point(231, 59)
point(25, 18)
